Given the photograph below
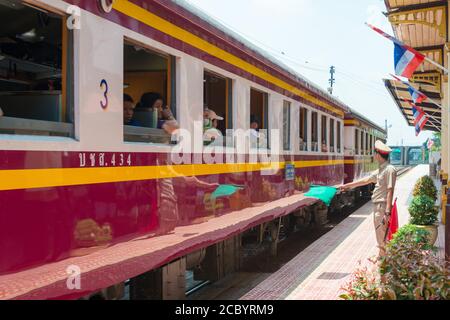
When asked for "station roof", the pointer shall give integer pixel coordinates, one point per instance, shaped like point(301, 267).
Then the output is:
point(421, 24)
point(402, 97)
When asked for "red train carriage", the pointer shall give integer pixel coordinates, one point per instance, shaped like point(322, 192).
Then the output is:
point(360, 137)
point(86, 191)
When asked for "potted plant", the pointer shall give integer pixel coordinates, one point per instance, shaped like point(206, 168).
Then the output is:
point(413, 233)
point(424, 215)
point(425, 187)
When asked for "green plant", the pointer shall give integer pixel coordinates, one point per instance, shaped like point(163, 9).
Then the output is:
point(409, 272)
point(406, 272)
point(414, 233)
point(422, 211)
point(364, 285)
point(425, 187)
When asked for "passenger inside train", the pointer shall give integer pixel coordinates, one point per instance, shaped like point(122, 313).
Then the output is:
point(128, 111)
point(149, 79)
point(211, 122)
point(216, 96)
point(150, 111)
point(258, 138)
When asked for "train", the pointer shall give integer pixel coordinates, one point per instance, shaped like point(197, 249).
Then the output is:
point(89, 201)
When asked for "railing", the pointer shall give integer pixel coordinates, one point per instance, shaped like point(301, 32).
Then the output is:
point(9, 125)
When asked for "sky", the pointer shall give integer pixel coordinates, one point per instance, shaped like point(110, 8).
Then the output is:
point(312, 35)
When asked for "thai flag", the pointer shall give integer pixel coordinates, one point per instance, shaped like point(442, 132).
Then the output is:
point(420, 119)
point(417, 96)
point(407, 59)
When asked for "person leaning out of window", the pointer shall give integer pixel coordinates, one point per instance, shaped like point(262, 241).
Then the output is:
point(211, 134)
point(152, 101)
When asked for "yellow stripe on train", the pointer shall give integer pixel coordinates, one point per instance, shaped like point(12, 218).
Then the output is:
point(59, 177)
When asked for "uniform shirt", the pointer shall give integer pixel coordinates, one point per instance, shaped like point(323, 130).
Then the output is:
point(385, 179)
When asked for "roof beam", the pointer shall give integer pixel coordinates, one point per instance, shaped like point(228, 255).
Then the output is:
point(418, 6)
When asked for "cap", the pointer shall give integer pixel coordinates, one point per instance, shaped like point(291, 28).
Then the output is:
point(212, 115)
point(382, 148)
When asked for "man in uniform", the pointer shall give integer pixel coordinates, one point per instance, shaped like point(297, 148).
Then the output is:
point(383, 194)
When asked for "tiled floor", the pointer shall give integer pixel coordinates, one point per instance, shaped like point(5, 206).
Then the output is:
point(319, 272)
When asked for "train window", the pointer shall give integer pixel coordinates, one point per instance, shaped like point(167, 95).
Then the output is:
point(339, 132)
point(324, 134)
point(315, 132)
point(361, 143)
point(332, 134)
point(149, 106)
point(370, 144)
point(217, 96)
point(303, 129)
point(356, 141)
point(36, 58)
point(367, 143)
point(259, 107)
point(286, 125)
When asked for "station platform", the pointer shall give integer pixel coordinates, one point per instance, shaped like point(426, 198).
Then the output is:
point(319, 272)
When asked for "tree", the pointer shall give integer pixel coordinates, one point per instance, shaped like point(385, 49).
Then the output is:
point(437, 142)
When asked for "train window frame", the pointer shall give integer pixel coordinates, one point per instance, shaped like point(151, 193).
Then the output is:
point(356, 141)
point(64, 127)
point(265, 123)
point(361, 142)
point(324, 147)
point(315, 125)
point(332, 135)
point(366, 143)
point(147, 135)
point(228, 117)
point(287, 111)
point(304, 126)
point(339, 148)
point(371, 145)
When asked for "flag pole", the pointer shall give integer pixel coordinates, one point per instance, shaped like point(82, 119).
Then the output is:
point(436, 64)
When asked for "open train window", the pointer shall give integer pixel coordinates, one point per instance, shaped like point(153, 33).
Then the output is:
point(332, 134)
point(36, 59)
point(339, 133)
point(356, 141)
point(371, 144)
point(361, 143)
point(217, 97)
point(259, 108)
point(286, 125)
point(324, 135)
point(149, 95)
point(315, 132)
point(303, 129)
point(367, 143)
